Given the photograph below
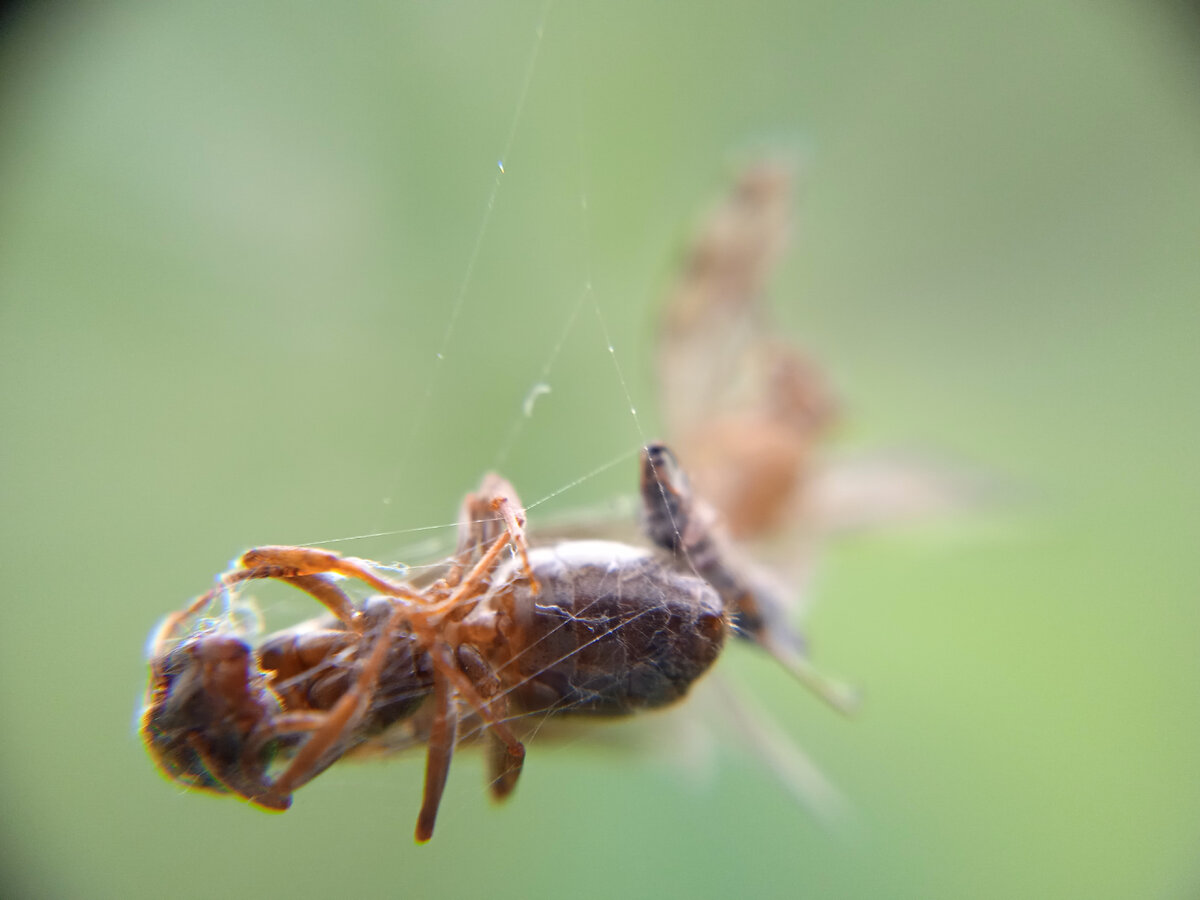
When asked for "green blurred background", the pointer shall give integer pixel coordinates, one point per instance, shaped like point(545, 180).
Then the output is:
point(230, 241)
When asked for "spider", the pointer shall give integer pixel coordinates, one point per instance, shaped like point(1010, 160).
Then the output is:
point(577, 627)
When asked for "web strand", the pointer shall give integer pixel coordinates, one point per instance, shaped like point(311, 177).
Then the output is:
point(434, 366)
point(586, 294)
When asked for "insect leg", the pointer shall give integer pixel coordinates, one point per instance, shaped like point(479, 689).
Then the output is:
point(684, 525)
point(666, 499)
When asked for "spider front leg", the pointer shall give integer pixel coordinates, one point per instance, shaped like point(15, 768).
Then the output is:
point(303, 567)
point(307, 568)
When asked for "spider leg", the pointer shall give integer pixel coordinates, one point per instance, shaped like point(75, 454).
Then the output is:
point(479, 524)
point(291, 562)
point(328, 729)
point(323, 589)
point(480, 571)
point(505, 758)
point(172, 622)
point(490, 711)
point(450, 683)
point(303, 567)
point(514, 519)
point(254, 790)
point(442, 735)
point(477, 528)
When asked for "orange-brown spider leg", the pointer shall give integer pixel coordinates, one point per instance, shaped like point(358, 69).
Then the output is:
point(478, 521)
point(442, 735)
point(477, 525)
point(514, 518)
point(328, 728)
point(289, 562)
point(449, 680)
point(478, 572)
point(492, 713)
point(328, 594)
point(299, 566)
point(175, 619)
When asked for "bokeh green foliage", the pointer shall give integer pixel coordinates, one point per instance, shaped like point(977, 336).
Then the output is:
point(230, 243)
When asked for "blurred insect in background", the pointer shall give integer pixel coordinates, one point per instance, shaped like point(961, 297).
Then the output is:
point(506, 636)
point(749, 414)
